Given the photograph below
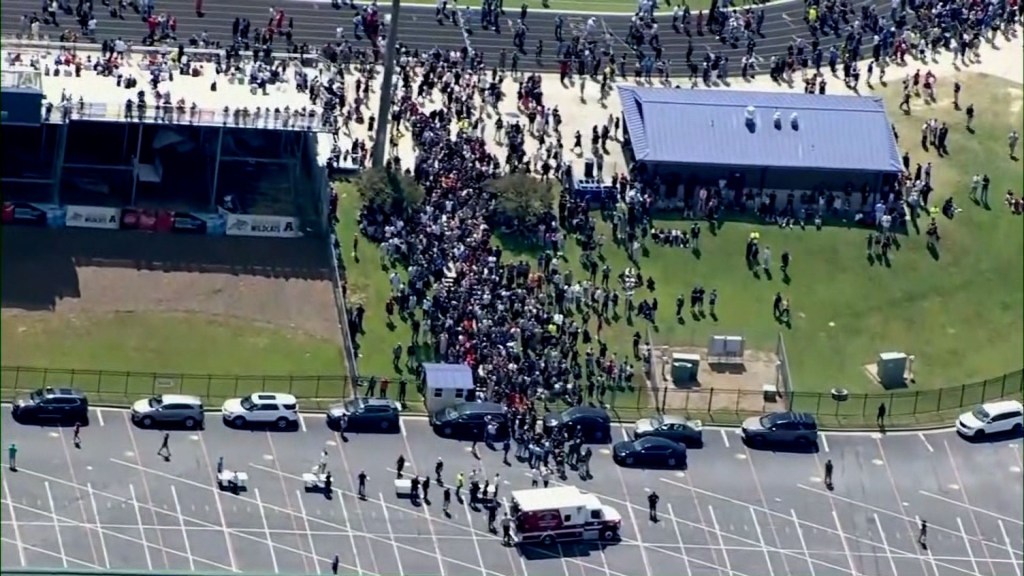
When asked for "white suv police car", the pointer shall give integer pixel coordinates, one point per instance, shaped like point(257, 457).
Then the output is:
point(262, 408)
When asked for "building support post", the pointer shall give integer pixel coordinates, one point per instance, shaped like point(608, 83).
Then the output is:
point(58, 160)
point(216, 168)
point(380, 142)
point(135, 164)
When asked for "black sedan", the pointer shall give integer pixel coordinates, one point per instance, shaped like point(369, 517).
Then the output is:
point(58, 405)
point(472, 421)
point(671, 427)
point(365, 415)
point(650, 452)
point(593, 424)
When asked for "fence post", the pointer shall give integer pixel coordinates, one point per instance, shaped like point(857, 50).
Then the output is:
point(864, 406)
point(917, 396)
point(963, 391)
point(938, 407)
point(17, 377)
point(711, 398)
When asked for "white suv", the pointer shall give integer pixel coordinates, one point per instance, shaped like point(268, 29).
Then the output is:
point(281, 410)
point(992, 418)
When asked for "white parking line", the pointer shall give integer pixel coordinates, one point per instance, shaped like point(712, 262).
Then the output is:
point(391, 533)
point(302, 423)
point(846, 548)
point(925, 440)
point(142, 531)
point(824, 441)
point(885, 543)
point(99, 527)
point(725, 437)
point(679, 538)
point(969, 507)
point(99, 416)
point(305, 520)
point(17, 531)
point(967, 544)
point(760, 539)
point(803, 544)
point(56, 526)
point(1006, 539)
point(476, 541)
point(401, 426)
point(184, 532)
point(266, 528)
point(50, 553)
point(721, 541)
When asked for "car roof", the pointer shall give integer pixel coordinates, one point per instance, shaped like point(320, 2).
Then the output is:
point(792, 417)
point(480, 407)
point(1002, 406)
point(652, 441)
point(587, 411)
point(274, 397)
point(674, 419)
point(379, 402)
point(61, 391)
point(180, 399)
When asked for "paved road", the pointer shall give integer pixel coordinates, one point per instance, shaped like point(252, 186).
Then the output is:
point(115, 504)
point(316, 22)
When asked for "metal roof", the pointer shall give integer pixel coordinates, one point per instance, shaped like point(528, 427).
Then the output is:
point(448, 376)
point(710, 127)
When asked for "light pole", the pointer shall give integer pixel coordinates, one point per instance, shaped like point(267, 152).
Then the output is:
point(386, 85)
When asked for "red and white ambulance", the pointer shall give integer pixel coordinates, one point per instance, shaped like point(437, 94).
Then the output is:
point(551, 515)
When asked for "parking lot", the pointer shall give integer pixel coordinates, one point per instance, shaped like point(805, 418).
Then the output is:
point(116, 504)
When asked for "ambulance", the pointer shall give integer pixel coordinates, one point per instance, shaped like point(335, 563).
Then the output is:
point(552, 515)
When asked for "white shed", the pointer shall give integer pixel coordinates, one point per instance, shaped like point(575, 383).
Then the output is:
point(447, 385)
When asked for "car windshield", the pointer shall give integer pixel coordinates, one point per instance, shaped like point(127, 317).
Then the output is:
point(981, 414)
point(248, 404)
point(353, 405)
point(769, 420)
point(451, 413)
point(36, 395)
point(657, 420)
point(156, 401)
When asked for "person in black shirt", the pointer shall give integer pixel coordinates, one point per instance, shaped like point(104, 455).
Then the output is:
point(652, 505)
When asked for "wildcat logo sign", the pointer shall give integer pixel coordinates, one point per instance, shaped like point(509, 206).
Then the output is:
point(262, 226)
point(93, 217)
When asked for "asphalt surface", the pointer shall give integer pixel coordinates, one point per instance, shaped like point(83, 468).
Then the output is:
point(316, 22)
point(115, 504)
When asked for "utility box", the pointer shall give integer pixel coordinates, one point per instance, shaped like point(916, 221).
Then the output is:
point(685, 367)
point(892, 369)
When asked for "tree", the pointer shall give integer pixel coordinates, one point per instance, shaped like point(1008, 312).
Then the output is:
point(389, 190)
point(521, 201)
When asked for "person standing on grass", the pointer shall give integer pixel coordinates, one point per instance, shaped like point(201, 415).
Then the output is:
point(165, 449)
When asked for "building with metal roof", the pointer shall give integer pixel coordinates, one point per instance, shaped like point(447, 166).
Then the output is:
point(770, 140)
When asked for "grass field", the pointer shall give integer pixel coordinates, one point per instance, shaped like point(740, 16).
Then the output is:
point(960, 314)
point(169, 345)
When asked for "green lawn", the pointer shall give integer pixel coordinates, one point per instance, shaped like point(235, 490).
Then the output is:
point(131, 347)
point(959, 315)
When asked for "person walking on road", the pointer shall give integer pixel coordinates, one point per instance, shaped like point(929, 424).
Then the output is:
point(12, 457)
point(425, 486)
point(922, 534)
point(880, 416)
point(828, 474)
point(334, 565)
point(362, 484)
point(438, 469)
point(400, 465)
point(652, 505)
point(506, 530)
point(76, 439)
point(460, 483)
point(447, 503)
point(165, 447)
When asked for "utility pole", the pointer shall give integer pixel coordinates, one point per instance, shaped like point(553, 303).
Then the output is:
point(380, 144)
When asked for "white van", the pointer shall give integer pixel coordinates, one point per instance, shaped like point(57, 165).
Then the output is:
point(992, 418)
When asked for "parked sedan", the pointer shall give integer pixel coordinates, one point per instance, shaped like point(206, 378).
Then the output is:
point(171, 410)
point(64, 405)
point(671, 427)
point(797, 428)
point(365, 414)
point(470, 421)
point(593, 423)
point(650, 452)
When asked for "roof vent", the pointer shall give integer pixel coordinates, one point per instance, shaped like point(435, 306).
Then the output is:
point(777, 120)
point(794, 121)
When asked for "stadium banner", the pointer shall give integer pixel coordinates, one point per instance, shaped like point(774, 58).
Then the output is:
point(196, 223)
point(33, 214)
point(147, 220)
point(262, 226)
point(92, 217)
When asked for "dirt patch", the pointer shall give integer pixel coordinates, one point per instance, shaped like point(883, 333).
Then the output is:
point(285, 283)
point(735, 386)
